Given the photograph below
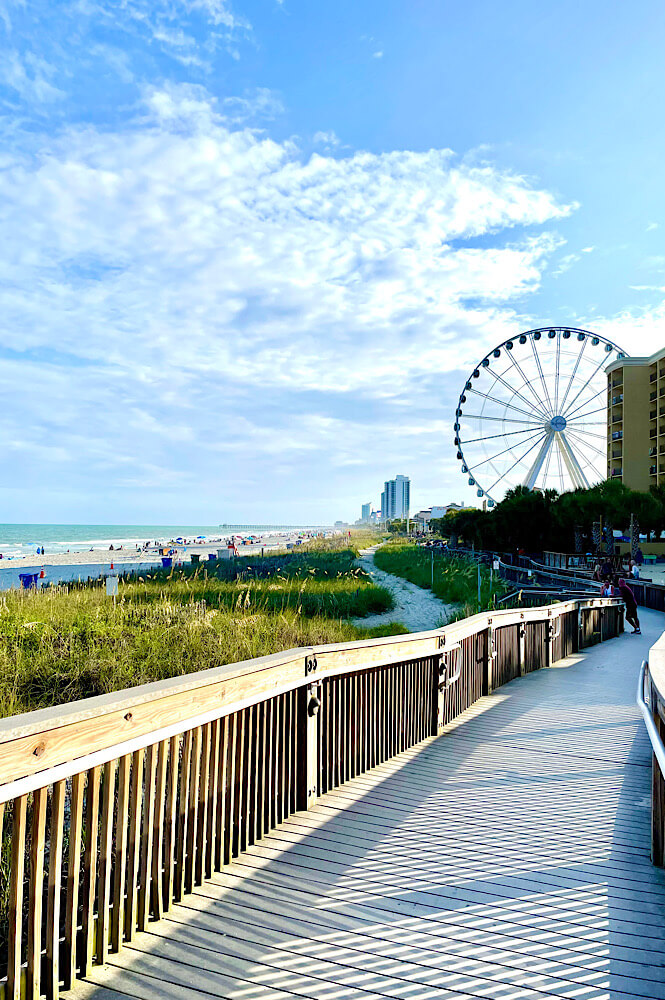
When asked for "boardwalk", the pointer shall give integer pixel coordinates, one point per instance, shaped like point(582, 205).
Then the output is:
point(507, 859)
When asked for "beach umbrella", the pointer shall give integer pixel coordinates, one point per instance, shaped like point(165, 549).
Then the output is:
point(199, 537)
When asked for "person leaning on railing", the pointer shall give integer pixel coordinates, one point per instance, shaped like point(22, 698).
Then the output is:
point(623, 591)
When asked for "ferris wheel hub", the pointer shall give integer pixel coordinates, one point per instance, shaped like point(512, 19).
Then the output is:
point(558, 423)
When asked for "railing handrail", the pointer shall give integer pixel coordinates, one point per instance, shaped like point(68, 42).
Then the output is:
point(544, 592)
point(39, 747)
point(574, 572)
point(656, 742)
point(544, 570)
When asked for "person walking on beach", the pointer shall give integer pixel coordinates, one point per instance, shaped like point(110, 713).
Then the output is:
point(628, 598)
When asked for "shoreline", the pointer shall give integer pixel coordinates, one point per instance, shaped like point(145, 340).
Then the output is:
point(93, 564)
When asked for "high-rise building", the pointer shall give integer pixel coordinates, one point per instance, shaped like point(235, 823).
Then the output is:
point(366, 511)
point(396, 498)
point(636, 421)
point(402, 496)
point(389, 490)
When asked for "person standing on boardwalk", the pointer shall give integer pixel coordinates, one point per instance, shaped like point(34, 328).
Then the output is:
point(628, 598)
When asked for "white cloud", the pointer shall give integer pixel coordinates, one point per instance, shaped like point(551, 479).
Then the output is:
point(188, 293)
point(326, 139)
point(635, 326)
point(186, 30)
point(29, 76)
point(377, 55)
point(565, 263)
point(260, 103)
point(651, 227)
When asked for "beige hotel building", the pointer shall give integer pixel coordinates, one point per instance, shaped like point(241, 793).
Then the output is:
point(636, 421)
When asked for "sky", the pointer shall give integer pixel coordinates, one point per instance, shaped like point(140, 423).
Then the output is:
point(252, 248)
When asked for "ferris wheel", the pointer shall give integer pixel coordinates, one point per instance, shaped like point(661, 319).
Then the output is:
point(534, 413)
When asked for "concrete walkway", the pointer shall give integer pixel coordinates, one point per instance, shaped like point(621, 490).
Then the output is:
point(415, 608)
point(508, 859)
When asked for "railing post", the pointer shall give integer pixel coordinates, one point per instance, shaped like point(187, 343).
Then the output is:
point(521, 647)
point(438, 687)
point(550, 640)
point(488, 679)
point(309, 698)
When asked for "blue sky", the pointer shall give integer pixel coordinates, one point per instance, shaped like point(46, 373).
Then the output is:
point(251, 249)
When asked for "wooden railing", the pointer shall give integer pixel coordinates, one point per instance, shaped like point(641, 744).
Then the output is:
point(647, 594)
point(651, 699)
point(115, 807)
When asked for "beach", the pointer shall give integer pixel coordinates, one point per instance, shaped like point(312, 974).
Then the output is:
point(81, 560)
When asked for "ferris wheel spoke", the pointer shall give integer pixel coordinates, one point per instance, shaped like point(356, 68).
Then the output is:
point(574, 373)
point(527, 382)
point(540, 372)
point(493, 399)
point(589, 413)
point(491, 458)
point(583, 438)
point(583, 441)
point(556, 383)
point(591, 376)
point(596, 464)
point(589, 400)
point(490, 437)
point(535, 444)
point(503, 420)
point(584, 434)
point(515, 392)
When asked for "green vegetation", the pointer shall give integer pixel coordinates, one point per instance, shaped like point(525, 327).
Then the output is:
point(455, 580)
point(67, 643)
point(535, 521)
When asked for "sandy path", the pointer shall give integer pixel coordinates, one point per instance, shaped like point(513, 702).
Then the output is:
point(415, 608)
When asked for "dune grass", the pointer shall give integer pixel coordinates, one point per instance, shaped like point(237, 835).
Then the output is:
point(72, 642)
point(455, 580)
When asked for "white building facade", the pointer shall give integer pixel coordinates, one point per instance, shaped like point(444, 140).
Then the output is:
point(396, 498)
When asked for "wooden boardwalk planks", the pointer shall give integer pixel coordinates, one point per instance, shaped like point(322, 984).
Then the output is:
point(507, 859)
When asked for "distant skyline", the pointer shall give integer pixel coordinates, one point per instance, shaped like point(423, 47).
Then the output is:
point(252, 248)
